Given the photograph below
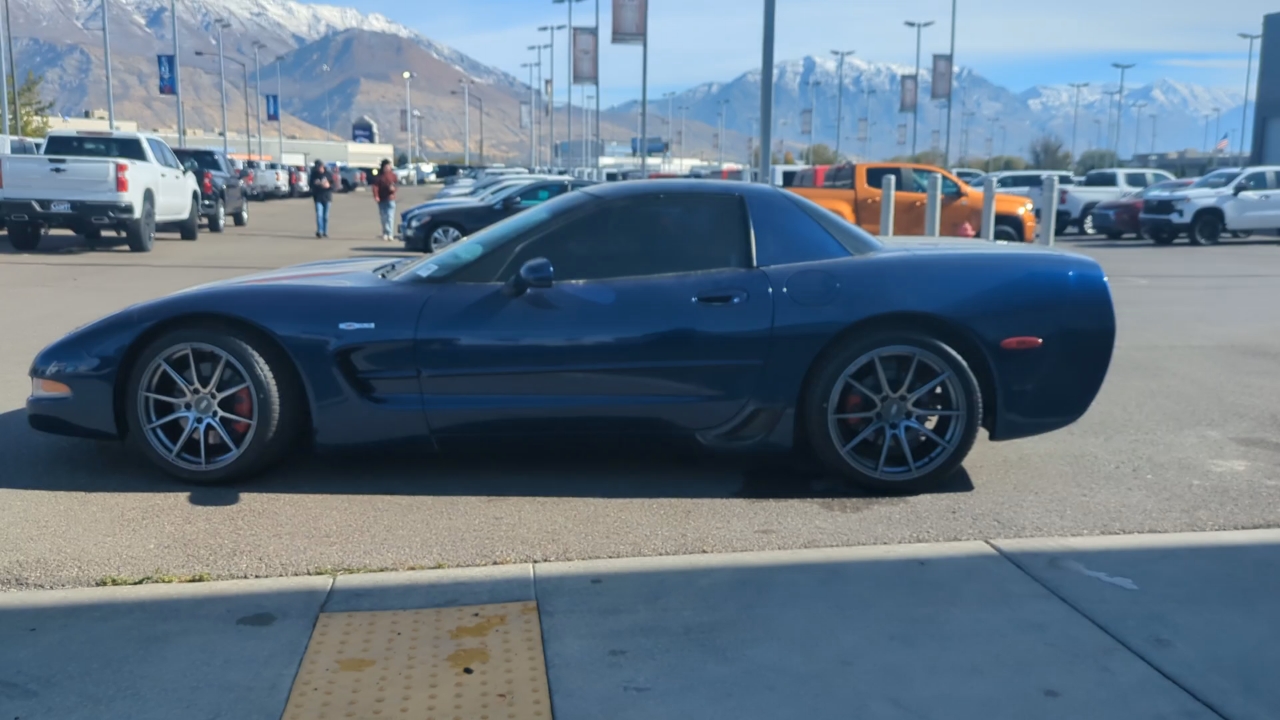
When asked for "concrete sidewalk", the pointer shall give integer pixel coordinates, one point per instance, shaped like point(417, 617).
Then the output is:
point(1171, 626)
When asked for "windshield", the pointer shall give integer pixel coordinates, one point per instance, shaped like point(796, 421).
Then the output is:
point(472, 248)
point(1162, 187)
point(1215, 180)
point(500, 192)
point(203, 160)
point(96, 147)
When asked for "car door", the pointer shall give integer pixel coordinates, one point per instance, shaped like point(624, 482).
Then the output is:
point(870, 197)
point(169, 195)
point(657, 320)
point(1252, 207)
point(956, 208)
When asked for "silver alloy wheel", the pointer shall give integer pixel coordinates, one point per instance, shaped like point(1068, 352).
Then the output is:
point(897, 413)
point(1086, 224)
point(443, 237)
point(192, 403)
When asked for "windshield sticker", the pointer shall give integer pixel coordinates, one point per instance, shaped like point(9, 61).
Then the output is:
point(427, 269)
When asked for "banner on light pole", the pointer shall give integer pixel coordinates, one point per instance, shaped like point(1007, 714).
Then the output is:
point(902, 133)
point(547, 99)
point(863, 130)
point(273, 108)
point(941, 89)
point(526, 116)
point(168, 82)
point(629, 22)
point(910, 91)
point(936, 139)
point(806, 122)
point(586, 56)
point(404, 120)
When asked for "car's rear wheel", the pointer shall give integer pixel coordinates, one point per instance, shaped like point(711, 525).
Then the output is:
point(1206, 229)
point(242, 218)
point(1006, 231)
point(25, 237)
point(1086, 222)
point(141, 233)
point(1162, 237)
point(893, 412)
point(218, 220)
point(190, 228)
point(209, 405)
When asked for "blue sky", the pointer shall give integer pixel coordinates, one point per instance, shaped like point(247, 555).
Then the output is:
point(1012, 42)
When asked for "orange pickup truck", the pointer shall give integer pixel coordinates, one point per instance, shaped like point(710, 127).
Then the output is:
point(852, 191)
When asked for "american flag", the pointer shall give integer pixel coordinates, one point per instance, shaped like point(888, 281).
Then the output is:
point(1223, 144)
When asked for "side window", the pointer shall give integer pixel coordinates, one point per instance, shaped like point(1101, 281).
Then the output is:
point(644, 236)
point(27, 147)
point(1255, 181)
point(949, 186)
point(540, 194)
point(876, 176)
point(1004, 182)
point(156, 151)
point(172, 160)
point(1100, 179)
point(1136, 179)
point(840, 177)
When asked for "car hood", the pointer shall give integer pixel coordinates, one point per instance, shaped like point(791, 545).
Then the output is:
point(442, 202)
point(333, 273)
point(1196, 194)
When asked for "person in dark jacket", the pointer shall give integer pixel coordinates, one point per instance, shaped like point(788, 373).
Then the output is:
point(384, 193)
point(321, 181)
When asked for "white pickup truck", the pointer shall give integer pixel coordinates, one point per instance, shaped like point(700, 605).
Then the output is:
point(89, 182)
point(1104, 185)
point(1231, 200)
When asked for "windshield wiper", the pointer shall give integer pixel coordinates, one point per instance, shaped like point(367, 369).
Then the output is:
point(383, 271)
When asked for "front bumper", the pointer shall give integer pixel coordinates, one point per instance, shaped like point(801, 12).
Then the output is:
point(82, 213)
point(89, 412)
point(1108, 222)
point(1163, 223)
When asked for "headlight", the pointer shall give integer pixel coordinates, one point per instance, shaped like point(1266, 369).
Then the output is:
point(43, 388)
point(1022, 210)
point(418, 220)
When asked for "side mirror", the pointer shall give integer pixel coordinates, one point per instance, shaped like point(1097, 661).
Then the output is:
point(1239, 188)
point(536, 273)
point(511, 202)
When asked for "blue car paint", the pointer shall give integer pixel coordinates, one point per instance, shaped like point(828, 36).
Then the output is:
point(430, 359)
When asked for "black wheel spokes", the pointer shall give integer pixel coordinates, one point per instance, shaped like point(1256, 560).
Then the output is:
point(897, 413)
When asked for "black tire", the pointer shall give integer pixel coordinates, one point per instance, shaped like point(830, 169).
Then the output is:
point(189, 229)
point(1241, 234)
point(1005, 230)
point(827, 380)
point(1206, 229)
point(241, 218)
point(218, 220)
point(25, 237)
point(279, 404)
point(1162, 237)
point(140, 236)
point(1063, 226)
point(1115, 235)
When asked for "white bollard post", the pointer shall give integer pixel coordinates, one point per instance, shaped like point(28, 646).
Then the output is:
point(888, 196)
point(933, 207)
point(989, 209)
point(1048, 226)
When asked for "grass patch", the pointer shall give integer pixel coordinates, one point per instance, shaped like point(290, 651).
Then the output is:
point(336, 571)
point(156, 578)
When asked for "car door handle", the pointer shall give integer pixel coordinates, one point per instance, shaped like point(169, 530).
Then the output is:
point(721, 297)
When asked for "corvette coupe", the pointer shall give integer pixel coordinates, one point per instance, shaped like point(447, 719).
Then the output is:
point(739, 315)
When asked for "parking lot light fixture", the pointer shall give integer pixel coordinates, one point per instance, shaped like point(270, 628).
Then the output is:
point(915, 119)
point(1075, 116)
point(840, 55)
point(1248, 78)
point(550, 30)
point(1122, 67)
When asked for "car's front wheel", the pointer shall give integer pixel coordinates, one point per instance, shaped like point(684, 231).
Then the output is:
point(25, 237)
point(1162, 237)
point(442, 236)
point(212, 405)
point(893, 412)
point(242, 218)
point(1206, 229)
point(218, 220)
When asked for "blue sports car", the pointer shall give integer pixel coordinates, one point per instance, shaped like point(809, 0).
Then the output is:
point(737, 314)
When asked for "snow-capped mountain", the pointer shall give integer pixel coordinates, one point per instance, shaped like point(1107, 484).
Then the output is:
point(984, 113)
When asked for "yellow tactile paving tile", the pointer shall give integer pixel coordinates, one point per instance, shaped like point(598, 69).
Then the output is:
point(482, 662)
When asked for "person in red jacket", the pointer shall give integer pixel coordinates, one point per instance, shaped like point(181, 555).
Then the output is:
point(384, 193)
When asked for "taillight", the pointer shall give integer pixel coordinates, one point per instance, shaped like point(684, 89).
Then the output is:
point(1, 178)
point(1062, 197)
point(249, 178)
point(122, 178)
point(206, 185)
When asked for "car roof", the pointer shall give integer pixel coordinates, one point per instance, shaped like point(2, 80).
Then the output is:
point(678, 186)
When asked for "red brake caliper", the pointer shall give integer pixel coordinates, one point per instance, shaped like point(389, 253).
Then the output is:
point(242, 405)
point(852, 403)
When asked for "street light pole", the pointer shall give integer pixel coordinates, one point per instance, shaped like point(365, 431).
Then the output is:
point(683, 109)
point(1137, 125)
point(766, 96)
point(915, 119)
point(598, 149)
point(257, 85)
point(328, 126)
point(1248, 78)
point(408, 114)
point(106, 59)
point(222, 80)
point(951, 90)
point(466, 119)
point(13, 76)
point(551, 130)
point(177, 77)
point(533, 108)
point(813, 114)
point(722, 104)
point(569, 73)
point(841, 54)
point(279, 108)
point(1122, 67)
point(1075, 116)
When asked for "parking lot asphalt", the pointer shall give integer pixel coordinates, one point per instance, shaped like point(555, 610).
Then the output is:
point(1184, 436)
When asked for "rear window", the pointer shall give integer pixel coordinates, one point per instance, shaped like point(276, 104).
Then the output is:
point(205, 160)
point(95, 147)
point(1100, 179)
point(856, 240)
point(1136, 179)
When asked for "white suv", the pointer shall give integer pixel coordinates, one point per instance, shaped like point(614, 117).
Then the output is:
point(1231, 200)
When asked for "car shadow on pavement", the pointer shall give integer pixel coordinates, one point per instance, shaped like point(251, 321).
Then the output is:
point(604, 468)
point(1136, 243)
